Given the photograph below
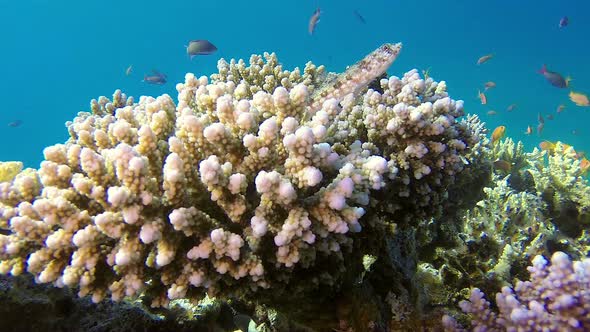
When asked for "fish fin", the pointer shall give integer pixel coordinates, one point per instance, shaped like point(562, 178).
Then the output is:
point(157, 73)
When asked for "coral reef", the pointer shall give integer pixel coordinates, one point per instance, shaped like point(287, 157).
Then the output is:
point(561, 183)
point(556, 298)
point(261, 183)
point(533, 204)
point(514, 221)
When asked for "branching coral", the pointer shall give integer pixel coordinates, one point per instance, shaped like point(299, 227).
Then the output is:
point(259, 178)
point(561, 183)
point(556, 298)
point(524, 213)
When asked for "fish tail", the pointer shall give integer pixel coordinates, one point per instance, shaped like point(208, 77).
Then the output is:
point(543, 69)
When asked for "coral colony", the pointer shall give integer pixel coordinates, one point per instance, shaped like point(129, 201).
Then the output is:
point(262, 182)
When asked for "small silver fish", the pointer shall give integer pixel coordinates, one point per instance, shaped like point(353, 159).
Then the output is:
point(313, 21)
point(511, 107)
point(156, 78)
point(200, 47)
point(128, 70)
point(484, 59)
point(15, 123)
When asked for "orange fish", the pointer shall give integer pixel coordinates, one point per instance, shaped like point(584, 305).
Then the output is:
point(503, 165)
point(579, 99)
point(511, 107)
point(313, 21)
point(529, 130)
point(482, 97)
point(550, 146)
point(484, 58)
point(547, 146)
point(498, 133)
point(560, 108)
point(584, 166)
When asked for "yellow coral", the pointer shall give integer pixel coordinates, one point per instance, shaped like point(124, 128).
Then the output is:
point(9, 169)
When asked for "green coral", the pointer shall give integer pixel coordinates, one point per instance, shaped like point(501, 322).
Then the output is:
point(562, 185)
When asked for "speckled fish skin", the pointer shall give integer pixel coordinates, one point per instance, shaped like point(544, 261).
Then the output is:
point(357, 76)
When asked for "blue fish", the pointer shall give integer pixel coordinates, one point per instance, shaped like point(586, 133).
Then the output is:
point(563, 22)
point(554, 78)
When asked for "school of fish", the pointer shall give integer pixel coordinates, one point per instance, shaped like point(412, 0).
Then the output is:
point(556, 80)
point(199, 47)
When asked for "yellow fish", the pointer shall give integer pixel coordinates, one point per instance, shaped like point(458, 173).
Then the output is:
point(579, 99)
point(547, 146)
point(498, 133)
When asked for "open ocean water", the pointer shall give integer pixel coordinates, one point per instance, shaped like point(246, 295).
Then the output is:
point(57, 55)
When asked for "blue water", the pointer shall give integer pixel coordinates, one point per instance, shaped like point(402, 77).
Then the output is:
point(56, 56)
